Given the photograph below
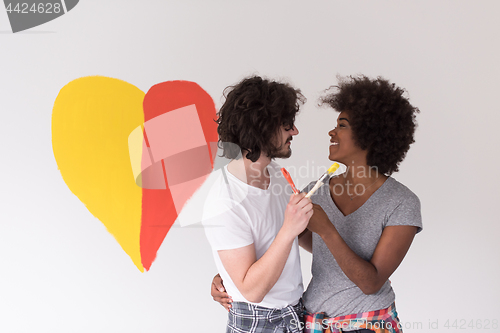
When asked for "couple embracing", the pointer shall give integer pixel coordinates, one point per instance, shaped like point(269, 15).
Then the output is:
point(359, 228)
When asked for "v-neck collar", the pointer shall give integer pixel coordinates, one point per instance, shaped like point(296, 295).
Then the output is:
point(334, 205)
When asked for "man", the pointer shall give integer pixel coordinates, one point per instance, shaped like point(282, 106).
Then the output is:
point(249, 221)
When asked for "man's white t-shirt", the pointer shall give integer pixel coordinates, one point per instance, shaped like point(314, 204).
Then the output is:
point(236, 215)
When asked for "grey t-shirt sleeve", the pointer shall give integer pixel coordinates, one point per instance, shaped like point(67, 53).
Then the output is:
point(407, 212)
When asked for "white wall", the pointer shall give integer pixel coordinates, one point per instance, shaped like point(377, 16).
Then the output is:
point(62, 272)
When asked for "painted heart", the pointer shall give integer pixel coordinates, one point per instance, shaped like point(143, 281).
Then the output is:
point(134, 159)
point(27, 14)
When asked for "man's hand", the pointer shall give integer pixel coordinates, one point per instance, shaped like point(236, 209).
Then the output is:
point(319, 222)
point(219, 293)
point(297, 214)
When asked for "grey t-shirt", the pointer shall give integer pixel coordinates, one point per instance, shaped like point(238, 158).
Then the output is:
point(330, 290)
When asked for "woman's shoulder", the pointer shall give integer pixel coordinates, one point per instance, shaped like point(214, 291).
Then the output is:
point(400, 202)
point(399, 191)
point(403, 206)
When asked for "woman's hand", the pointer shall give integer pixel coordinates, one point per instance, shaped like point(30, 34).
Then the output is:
point(219, 293)
point(319, 222)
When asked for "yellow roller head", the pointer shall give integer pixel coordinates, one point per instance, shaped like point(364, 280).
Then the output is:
point(333, 168)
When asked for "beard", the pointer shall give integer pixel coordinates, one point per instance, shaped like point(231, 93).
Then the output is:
point(282, 152)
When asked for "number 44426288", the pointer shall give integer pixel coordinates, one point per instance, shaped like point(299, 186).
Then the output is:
point(24, 8)
point(479, 324)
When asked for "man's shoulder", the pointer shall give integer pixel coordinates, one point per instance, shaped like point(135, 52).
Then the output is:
point(222, 195)
point(219, 187)
point(275, 170)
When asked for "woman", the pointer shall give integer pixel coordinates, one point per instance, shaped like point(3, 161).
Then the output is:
point(364, 222)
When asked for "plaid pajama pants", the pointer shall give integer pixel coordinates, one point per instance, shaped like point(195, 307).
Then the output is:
point(248, 318)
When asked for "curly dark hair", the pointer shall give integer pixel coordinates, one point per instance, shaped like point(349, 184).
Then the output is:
point(382, 119)
point(252, 113)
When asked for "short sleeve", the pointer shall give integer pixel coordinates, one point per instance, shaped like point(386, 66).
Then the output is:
point(407, 212)
point(227, 226)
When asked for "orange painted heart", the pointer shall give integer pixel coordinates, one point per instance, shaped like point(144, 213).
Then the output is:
point(134, 159)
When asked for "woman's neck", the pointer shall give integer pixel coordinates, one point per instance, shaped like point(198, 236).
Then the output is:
point(361, 174)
